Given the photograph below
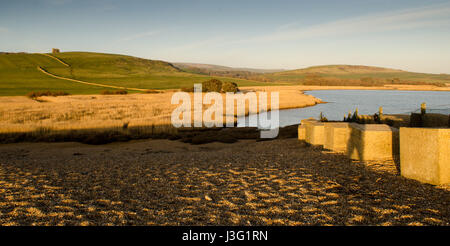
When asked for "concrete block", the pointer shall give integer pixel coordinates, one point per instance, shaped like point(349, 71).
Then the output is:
point(425, 154)
point(301, 132)
point(302, 128)
point(309, 120)
point(315, 133)
point(337, 135)
point(372, 142)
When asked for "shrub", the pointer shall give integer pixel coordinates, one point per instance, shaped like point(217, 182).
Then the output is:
point(118, 92)
point(229, 87)
point(215, 85)
point(35, 94)
point(187, 89)
point(377, 118)
point(355, 116)
point(212, 85)
point(323, 118)
point(106, 92)
point(149, 91)
point(121, 92)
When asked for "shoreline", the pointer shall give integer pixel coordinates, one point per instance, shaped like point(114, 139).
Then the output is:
point(303, 88)
point(392, 87)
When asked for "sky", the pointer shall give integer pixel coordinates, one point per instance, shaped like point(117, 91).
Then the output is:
point(412, 35)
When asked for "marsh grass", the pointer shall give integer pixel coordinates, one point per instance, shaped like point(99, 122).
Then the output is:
point(85, 118)
point(73, 117)
point(107, 118)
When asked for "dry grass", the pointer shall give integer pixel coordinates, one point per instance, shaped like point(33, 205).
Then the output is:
point(19, 114)
point(137, 114)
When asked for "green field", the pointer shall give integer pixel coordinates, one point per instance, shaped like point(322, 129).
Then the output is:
point(19, 74)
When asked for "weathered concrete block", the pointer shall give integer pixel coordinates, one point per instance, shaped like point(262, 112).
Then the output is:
point(337, 135)
point(425, 154)
point(309, 120)
point(301, 132)
point(315, 133)
point(302, 128)
point(372, 142)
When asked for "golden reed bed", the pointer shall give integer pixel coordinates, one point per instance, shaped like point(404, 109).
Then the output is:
point(143, 114)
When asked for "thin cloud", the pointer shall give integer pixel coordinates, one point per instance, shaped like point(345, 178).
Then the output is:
point(57, 2)
point(431, 16)
point(3, 29)
point(199, 44)
point(138, 36)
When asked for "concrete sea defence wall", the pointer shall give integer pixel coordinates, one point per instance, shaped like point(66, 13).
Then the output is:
point(315, 134)
point(425, 154)
point(337, 135)
point(302, 128)
point(373, 142)
point(301, 132)
point(358, 141)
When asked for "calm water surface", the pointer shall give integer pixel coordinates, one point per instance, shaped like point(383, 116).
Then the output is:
point(339, 102)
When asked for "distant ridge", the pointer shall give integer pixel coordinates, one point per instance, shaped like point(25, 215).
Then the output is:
point(218, 68)
point(352, 75)
point(342, 69)
point(339, 74)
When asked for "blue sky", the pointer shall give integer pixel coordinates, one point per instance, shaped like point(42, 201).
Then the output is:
point(405, 34)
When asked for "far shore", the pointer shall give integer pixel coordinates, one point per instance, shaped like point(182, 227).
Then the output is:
point(385, 87)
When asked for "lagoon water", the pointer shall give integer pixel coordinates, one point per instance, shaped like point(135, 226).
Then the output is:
point(340, 102)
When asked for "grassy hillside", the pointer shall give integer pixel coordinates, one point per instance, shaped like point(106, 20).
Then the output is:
point(19, 74)
point(350, 74)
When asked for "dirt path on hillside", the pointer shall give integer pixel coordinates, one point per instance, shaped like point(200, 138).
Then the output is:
point(87, 83)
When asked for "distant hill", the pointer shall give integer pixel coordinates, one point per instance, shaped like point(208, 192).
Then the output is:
point(222, 71)
point(355, 75)
point(341, 69)
point(218, 68)
point(19, 73)
point(322, 75)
